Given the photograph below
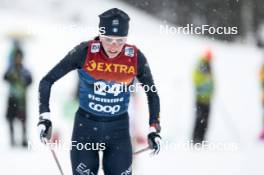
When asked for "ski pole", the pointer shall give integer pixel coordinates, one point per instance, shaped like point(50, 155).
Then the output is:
point(141, 151)
point(57, 161)
point(55, 158)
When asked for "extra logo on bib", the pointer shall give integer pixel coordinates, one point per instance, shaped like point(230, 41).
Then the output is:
point(110, 68)
point(121, 69)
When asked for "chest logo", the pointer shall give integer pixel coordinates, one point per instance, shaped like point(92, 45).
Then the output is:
point(109, 67)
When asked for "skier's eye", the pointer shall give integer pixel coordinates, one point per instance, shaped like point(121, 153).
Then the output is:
point(120, 41)
point(109, 40)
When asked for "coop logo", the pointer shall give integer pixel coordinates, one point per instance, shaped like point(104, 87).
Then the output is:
point(109, 67)
point(106, 109)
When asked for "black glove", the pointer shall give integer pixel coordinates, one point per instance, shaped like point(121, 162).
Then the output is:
point(154, 142)
point(45, 129)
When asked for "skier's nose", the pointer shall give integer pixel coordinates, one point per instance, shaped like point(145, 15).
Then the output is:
point(113, 45)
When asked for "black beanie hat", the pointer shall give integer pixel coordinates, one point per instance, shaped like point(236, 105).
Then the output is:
point(114, 22)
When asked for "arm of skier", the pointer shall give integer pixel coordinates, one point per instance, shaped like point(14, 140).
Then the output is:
point(73, 60)
point(145, 77)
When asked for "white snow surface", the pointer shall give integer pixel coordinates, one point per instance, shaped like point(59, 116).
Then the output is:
point(236, 111)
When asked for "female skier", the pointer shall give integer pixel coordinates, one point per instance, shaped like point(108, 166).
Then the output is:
point(107, 67)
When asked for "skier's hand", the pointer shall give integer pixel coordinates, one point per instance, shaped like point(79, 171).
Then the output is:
point(44, 127)
point(154, 139)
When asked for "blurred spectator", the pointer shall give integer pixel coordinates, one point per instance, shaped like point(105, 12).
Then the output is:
point(262, 88)
point(19, 78)
point(204, 87)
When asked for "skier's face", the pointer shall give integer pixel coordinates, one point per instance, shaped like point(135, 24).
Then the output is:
point(112, 44)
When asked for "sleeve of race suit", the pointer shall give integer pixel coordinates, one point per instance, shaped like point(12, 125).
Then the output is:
point(73, 60)
point(145, 77)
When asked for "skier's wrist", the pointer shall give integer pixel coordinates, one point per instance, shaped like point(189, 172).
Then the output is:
point(44, 116)
point(154, 127)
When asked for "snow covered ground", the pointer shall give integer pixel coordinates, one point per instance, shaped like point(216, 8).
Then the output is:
point(236, 115)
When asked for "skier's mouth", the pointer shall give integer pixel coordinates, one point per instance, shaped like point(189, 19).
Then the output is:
point(113, 51)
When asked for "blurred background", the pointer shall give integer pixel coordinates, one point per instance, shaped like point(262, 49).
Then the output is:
point(210, 85)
